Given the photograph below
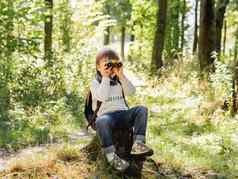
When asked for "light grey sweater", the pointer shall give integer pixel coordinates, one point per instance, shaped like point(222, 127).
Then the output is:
point(111, 96)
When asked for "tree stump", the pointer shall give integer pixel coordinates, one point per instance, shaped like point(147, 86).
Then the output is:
point(122, 140)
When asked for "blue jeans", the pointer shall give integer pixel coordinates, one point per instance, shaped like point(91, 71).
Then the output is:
point(134, 117)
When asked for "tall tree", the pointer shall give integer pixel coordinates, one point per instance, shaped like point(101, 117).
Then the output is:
point(207, 35)
point(159, 37)
point(10, 28)
point(48, 31)
point(106, 40)
point(195, 40)
point(220, 13)
point(65, 24)
point(234, 108)
point(235, 77)
point(107, 30)
point(224, 37)
point(173, 28)
point(121, 12)
point(182, 25)
point(123, 34)
point(132, 39)
point(8, 46)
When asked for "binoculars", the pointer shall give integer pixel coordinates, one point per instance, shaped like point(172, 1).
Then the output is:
point(113, 64)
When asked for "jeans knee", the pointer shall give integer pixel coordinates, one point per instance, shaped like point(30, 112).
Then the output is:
point(102, 122)
point(143, 110)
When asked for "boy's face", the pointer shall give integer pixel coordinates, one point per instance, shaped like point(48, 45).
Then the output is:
point(102, 66)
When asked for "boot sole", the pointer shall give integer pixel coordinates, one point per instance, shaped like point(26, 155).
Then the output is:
point(146, 154)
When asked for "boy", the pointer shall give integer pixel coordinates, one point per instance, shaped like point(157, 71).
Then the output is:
point(108, 87)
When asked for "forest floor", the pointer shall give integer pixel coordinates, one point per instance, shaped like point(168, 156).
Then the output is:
point(61, 160)
point(186, 144)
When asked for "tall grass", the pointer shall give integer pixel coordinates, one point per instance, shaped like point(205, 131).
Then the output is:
point(188, 127)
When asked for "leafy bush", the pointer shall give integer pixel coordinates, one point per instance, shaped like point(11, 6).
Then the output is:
point(222, 80)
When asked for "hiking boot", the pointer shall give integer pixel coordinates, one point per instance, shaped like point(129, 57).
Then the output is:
point(118, 163)
point(141, 149)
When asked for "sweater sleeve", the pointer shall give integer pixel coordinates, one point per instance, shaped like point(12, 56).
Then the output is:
point(128, 87)
point(101, 90)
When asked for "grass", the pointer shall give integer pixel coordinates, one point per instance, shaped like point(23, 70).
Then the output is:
point(50, 122)
point(188, 128)
point(64, 161)
point(68, 153)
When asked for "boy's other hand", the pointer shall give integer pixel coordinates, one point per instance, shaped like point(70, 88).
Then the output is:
point(118, 72)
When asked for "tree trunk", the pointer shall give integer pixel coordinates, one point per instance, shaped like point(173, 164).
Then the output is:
point(224, 37)
point(234, 94)
point(123, 34)
point(122, 141)
point(10, 28)
point(106, 39)
point(65, 25)
point(182, 25)
point(159, 38)
point(48, 32)
point(220, 13)
point(173, 29)
point(207, 35)
point(6, 61)
point(106, 36)
point(235, 78)
point(132, 39)
point(195, 41)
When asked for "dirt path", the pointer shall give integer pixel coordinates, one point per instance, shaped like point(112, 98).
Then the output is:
point(7, 157)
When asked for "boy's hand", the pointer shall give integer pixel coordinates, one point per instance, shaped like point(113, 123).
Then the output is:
point(119, 72)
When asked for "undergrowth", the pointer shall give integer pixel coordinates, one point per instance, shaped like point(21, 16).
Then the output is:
point(189, 129)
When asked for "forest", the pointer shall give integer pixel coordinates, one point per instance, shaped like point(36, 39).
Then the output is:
point(182, 56)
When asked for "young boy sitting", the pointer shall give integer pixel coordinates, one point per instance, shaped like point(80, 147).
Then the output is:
point(108, 87)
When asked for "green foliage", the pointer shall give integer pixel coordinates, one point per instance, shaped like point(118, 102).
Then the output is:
point(174, 29)
point(34, 82)
point(142, 22)
point(118, 10)
point(40, 102)
point(188, 129)
point(35, 125)
point(63, 23)
point(222, 81)
point(15, 38)
point(68, 153)
point(15, 17)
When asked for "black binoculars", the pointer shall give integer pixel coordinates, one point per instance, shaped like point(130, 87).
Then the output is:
point(113, 64)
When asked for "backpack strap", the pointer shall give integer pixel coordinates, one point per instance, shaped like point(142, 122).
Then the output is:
point(93, 119)
point(123, 94)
